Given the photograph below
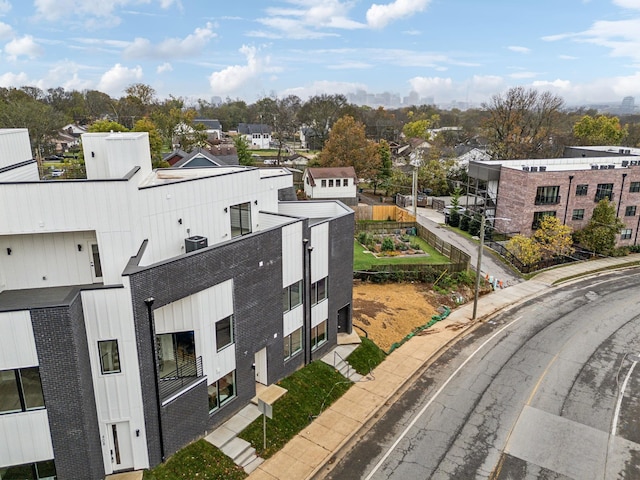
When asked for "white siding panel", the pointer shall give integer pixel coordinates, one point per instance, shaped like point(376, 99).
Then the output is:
point(17, 345)
point(319, 313)
point(320, 253)
point(25, 438)
point(14, 146)
point(292, 259)
point(292, 320)
point(321, 209)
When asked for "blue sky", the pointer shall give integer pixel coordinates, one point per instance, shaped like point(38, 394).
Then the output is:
point(586, 51)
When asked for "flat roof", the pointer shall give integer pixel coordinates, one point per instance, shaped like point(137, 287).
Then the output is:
point(564, 164)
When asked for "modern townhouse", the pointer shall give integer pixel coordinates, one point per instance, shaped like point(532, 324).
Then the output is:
point(139, 308)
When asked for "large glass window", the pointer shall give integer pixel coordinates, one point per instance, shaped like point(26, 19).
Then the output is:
point(319, 291)
point(625, 234)
point(240, 219)
point(20, 390)
point(578, 214)
point(582, 189)
point(318, 335)
point(293, 343)
point(604, 190)
point(109, 356)
point(292, 296)
point(45, 470)
point(224, 332)
point(630, 211)
point(547, 195)
point(634, 187)
point(176, 354)
point(221, 391)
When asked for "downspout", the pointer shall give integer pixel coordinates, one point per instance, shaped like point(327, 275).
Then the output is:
point(149, 303)
point(635, 242)
point(566, 208)
point(624, 176)
point(306, 322)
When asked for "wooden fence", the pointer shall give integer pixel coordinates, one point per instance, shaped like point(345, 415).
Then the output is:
point(383, 212)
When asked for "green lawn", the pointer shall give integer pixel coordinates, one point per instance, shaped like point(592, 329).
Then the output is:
point(199, 460)
point(366, 357)
point(365, 261)
point(310, 391)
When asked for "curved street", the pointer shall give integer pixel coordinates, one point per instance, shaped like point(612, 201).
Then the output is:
point(547, 389)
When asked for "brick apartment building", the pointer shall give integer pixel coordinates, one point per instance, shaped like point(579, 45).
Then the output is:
point(518, 193)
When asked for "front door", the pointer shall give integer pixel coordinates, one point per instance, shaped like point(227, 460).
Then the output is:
point(261, 366)
point(96, 266)
point(120, 446)
point(344, 319)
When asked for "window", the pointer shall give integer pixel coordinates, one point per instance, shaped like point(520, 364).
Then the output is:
point(21, 390)
point(319, 291)
point(345, 182)
point(224, 332)
point(604, 190)
point(634, 187)
point(578, 214)
point(582, 189)
point(293, 343)
point(292, 296)
point(240, 219)
point(221, 391)
point(323, 183)
point(318, 335)
point(176, 355)
point(547, 195)
point(109, 356)
point(537, 216)
point(331, 182)
point(630, 211)
point(625, 234)
point(45, 470)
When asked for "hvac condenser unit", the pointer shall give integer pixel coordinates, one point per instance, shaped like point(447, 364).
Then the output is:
point(194, 243)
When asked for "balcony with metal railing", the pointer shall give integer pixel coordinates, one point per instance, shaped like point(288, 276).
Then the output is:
point(187, 372)
point(547, 199)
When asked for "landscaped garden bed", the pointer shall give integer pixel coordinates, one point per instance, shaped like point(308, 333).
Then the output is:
point(391, 245)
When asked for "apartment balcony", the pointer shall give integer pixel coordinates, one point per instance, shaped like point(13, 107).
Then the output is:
point(547, 200)
point(187, 371)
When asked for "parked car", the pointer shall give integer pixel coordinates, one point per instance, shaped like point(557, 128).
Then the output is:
point(57, 172)
point(54, 158)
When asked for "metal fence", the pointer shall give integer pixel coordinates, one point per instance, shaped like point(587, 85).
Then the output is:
point(578, 255)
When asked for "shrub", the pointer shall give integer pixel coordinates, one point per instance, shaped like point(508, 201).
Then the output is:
point(464, 221)
point(454, 218)
point(387, 244)
point(363, 237)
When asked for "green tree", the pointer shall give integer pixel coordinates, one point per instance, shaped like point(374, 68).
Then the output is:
point(525, 249)
point(522, 124)
point(599, 130)
point(347, 145)
point(155, 141)
point(242, 150)
point(465, 220)
point(106, 126)
point(454, 215)
point(418, 129)
point(553, 238)
point(281, 115)
point(384, 174)
point(320, 112)
point(600, 233)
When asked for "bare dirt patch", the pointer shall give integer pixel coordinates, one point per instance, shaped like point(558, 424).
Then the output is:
point(389, 312)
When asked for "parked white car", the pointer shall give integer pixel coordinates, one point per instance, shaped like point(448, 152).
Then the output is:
point(57, 172)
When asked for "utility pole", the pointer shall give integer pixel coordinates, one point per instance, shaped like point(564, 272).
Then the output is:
point(478, 266)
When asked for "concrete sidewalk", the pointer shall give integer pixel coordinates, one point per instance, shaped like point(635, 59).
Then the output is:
point(310, 451)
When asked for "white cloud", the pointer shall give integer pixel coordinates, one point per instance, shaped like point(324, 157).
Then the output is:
point(23, 47)
point(307, 19)
point(350, 66)
point(115, 80)
point(233, 78)
point(631, 4)
point(379, 16)
point(5, 31)
point(519, 49)
point(191, 45)
point(165, 67)
point(567, 57)
point(10, 79)
point(519, 75)
point(5, 7)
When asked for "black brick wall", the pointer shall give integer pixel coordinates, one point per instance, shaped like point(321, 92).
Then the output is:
point(185, 418)
point(63, 355)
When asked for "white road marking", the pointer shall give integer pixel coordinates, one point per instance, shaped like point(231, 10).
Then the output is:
point(438, 392)
point(616, 414)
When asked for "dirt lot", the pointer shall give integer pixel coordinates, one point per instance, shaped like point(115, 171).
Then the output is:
point(389, 312)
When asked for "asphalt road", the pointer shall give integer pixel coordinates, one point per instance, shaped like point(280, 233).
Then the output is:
point(549, 389)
